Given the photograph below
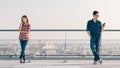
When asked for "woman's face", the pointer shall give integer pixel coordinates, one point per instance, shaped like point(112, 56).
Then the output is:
point(24, 20)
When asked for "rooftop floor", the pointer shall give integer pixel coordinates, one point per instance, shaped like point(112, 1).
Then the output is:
point(59, 64)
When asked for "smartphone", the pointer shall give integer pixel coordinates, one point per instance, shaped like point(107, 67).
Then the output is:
point(104, 24)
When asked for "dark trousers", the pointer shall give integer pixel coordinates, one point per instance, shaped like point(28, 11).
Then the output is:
point(23, 44)
point(95, 44)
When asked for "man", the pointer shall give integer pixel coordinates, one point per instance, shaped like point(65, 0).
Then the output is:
point(94, 30)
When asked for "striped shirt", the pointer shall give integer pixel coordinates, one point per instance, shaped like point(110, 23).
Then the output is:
point(24, 36)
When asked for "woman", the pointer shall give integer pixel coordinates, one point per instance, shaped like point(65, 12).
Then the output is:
point(24, 30)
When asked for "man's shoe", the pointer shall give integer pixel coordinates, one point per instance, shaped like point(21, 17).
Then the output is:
point(95, 62)
point(100, 61)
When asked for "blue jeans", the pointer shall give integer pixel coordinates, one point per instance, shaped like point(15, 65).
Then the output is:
point(23, 44)
point(95, 44)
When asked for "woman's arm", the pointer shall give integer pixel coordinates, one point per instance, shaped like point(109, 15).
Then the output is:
point(29, 28)
point(20, 27)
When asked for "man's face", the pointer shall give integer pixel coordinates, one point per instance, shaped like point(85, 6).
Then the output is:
point(96, 16)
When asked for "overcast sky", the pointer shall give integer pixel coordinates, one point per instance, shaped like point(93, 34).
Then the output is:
point(58, 14)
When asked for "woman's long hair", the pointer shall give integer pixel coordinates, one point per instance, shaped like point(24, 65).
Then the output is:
point(24, 16)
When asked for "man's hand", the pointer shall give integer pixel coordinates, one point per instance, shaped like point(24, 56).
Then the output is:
point(88, 32)
point(103, 25)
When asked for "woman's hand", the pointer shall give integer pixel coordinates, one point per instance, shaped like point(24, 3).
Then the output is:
point(24, 31)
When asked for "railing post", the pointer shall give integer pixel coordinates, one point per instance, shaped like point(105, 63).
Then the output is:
point(65, 47)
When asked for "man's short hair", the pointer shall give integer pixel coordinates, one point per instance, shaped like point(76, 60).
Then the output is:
point(95, 12)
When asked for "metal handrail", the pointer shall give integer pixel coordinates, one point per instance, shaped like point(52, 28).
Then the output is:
point(6, 30)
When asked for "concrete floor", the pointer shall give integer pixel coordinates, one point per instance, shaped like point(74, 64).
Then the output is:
point(59, 64)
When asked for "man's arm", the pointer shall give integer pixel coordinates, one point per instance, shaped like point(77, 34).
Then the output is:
point(88, 29)
point(102, 28)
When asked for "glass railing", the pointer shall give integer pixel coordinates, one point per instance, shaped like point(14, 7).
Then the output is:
point(58, 42)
